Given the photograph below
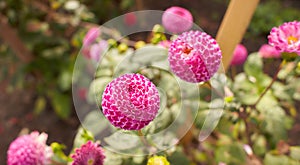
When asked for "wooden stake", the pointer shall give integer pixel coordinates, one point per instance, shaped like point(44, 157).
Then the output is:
point(234, 26)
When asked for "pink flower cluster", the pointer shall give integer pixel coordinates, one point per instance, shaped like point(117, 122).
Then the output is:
point(194, 56)
point(92, 48)
point(286, 38)
point(29, 150)
point(88, 154)
point(130, 101)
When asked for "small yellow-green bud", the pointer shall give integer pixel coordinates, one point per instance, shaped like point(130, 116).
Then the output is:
point(158, 29)
point(112, 43)
point(139, 44)
point(157, 37)
point(122, 48)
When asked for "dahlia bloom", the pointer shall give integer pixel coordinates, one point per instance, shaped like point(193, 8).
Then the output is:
point(98, 49)
point(286, 38)
point(29, 150)
point(268, 51)
point(177, 19)
point(91, 36)
point(194, 56)
point(239, 55)
point(158, 160)
point(130, 101)
point(88, 154)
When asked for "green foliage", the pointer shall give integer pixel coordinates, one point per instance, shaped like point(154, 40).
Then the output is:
point(270, 14)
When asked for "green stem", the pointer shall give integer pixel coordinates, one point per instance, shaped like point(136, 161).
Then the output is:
point(270, 85)
point(143, 139)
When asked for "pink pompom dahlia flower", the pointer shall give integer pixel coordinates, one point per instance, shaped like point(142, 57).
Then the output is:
point(30, 150)
point(194, 56)
point(177, 19)
point(239, 55)
point(286, 38)
point(130, 101)
point(88, 154)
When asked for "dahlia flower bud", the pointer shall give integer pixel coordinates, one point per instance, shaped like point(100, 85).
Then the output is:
point(29, 150)
point(158, 160)
point(177, 19)
point(91, 36)
point(286, 38)
point(268, 51)
point(239, 55)
point(130, 101)
point(194, 56)
point(88, 154)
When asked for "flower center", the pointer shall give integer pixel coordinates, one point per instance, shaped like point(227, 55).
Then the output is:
point(90, 162)
point(292, 39)
point(187, 49)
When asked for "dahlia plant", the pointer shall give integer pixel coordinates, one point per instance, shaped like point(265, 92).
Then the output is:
point(157, 101)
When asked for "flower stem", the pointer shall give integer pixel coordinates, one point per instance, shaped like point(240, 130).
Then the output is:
point(270, 85)
point(143, 139)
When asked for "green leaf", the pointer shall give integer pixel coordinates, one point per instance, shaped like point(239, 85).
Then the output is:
point(123, 140)
point(59, 155)
point(275, 119)
point(65, 80)
point(112, 158)
point(254, 65)
point(82, 137)
point(279, 160)
point(178, 158)
point(125, 4)
point(295, 152)
point(61, 104)
point(231, 154)
point(40, 105)
point(91, 122)
point(161, 121)
point(246, 92)
point(149, 54)
point(259, 146)
point(96, 89)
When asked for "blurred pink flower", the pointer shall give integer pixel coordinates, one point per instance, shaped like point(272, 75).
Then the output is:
point(165, 43)
point(194, 56)
point(286, 38)
point(98, 49)
point(130, 101)
point(239, 55)
point(82, 93)
point(88, 154)
point(130, 19)
point(268, 51)
point(91, 36)
point(29, 150)
point(177, 19)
